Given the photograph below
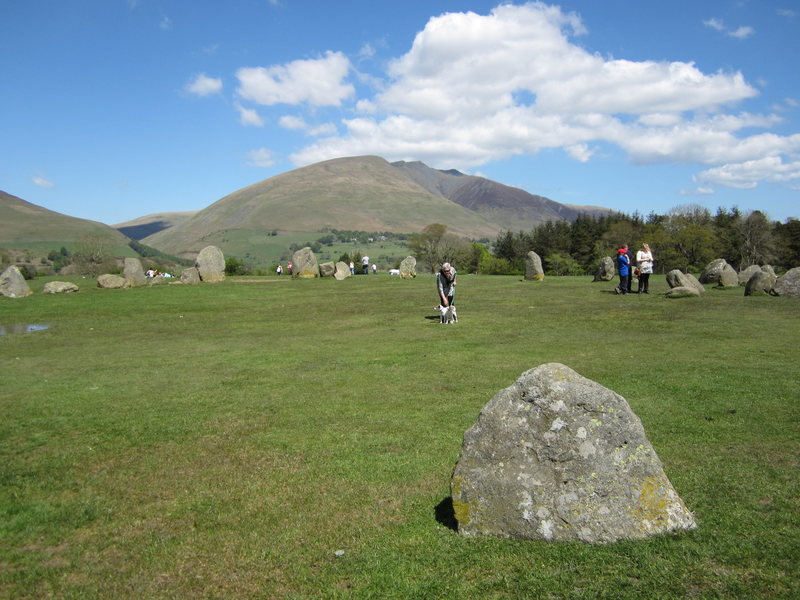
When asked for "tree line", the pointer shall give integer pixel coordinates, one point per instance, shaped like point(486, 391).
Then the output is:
point(688, 237)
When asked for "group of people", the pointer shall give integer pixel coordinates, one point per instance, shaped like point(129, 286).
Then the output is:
point(642, 270)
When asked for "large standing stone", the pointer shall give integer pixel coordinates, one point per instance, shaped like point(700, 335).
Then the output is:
point(305, 264)
point(559, 457)
point(759, 283)
point(533, 267)
point(713, 271)
point(190, 276)
point(728, 277)
point(327, 269)
point(789, 283)
point(342, 271)
point(605, 270)
point(110, 282)
point(13, 284)
point(133, 272)
point(210, 264)
point(59, 287)
point(408, 268)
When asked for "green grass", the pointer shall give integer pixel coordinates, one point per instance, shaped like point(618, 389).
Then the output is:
point(224, 441)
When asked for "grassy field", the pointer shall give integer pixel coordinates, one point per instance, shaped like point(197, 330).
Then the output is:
point(295, 439)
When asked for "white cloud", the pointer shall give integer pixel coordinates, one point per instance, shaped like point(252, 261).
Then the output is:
point(42, 182)
point(202, 85)
point(473, 89)
point(249, 117)
point(262, 157)
point(318, 82)
point(748, 174)
point(742, 32)
point(699, 191)
point(292, 122)
point(165, 23)
point(324, 129)
point(739, 33)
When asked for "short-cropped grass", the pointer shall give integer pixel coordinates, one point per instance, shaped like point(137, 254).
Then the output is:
point(295, 439)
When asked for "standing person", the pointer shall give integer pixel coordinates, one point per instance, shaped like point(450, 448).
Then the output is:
point(644, 260)
point(279, 270)
point(374, 269)
point(289, 267)
point(365, 265)
point(624, 268)
point(446, 284)
point(352, 268)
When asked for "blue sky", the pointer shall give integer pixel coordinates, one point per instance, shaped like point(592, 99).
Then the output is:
point(114, 109)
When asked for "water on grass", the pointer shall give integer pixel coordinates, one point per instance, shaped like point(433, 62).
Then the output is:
point(28, 328)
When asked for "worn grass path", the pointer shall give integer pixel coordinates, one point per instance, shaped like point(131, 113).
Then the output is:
point(225, 441)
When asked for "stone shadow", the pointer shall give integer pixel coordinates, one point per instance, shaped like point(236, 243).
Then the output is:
point(445, 514)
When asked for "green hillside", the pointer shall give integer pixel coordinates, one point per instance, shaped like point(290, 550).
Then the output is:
point(362, 193)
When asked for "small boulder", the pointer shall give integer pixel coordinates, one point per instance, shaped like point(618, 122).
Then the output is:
point(190, 276)
point(605, 270)
point(713, 271)
point(133, 272)
point(728, 277)
point(682, 292)
point(760, 283)
point(770, 270)
point(327, 269)
point(558, 457)
point(676, 278)
point(746, 274)
point(408, 268)
point(210, 264)
point(110, 282)
point(789, 283)
point(342, 271)
point(13, 284)
point(305, 264)
point(533, 267)
point(59, 287)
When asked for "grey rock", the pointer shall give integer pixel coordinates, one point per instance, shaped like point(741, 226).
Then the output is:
point(760, 283)
point(110, 282)
point(327, 269)
point(59, 287)
point(605, 270)
point(342, 271)
point(789, 283)
point(682, 292)
point(728, 277)
point(190, 276)
point(533, 267)
point(210, 264)
point(305, 264)
point(769, 269)
point(408, 268)
point(746, 274)
point(713, 271)
point(133, 272)
point(695, 282)
point(13, 284)
point(559, 457)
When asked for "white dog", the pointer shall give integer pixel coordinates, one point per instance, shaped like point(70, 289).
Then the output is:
point(448, 314)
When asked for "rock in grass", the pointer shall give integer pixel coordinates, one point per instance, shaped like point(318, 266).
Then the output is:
point(190, 276)
point(342, 271)
point(408, 268)
point(210, 264)
point(327, 269)
point(59, 287)
point(559, 457)
point(133, 272)
point(713, 271)
point(760, 283)
point(677, 278)
point(110, 282)
point(13, 284)
point(605, 270)
point(682, 292)
point(789, 283)
point(533, 267)
point(305, 264)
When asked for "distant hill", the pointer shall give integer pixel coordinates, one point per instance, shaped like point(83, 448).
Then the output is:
point(366, 193)
point(140, 228)
point(23, 224)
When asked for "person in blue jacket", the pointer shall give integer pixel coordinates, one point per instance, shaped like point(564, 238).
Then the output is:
point(624, 269)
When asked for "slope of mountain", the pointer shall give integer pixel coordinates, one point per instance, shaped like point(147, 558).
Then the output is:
point(361, 193)
point(142, 227)
point(22, 223)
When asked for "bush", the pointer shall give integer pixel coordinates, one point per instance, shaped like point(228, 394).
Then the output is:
point(235, 266)
point(28, 271)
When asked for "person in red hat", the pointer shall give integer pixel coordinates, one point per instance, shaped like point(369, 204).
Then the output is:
point(624, 269)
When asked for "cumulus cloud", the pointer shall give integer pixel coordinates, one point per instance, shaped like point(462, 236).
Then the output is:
point(748, 174)
point(292, 122)
point(42, 182)
point(249, 117)
point(202, 85)
point(318, 82)
point(261, 157)
point(741, 33)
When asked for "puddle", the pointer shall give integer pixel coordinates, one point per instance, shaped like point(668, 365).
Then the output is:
point(10, 329)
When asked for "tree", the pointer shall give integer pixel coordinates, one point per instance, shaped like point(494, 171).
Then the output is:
point(756, 242)
point(92, 255)
point(434, 246)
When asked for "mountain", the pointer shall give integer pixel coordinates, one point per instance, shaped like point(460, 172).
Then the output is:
point(140, 228)
point(23, 224)
point(366, 193)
